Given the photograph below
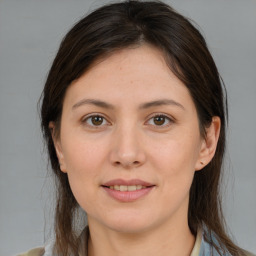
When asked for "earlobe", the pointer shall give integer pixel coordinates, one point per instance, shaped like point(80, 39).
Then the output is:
point(209, 144)
point(57, 146)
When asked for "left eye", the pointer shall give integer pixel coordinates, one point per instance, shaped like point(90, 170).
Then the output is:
point(160, 120)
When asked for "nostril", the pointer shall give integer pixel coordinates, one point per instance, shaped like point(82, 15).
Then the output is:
point(127, 164)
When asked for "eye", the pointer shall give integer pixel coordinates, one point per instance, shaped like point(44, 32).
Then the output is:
point(95, 121)
point(160, 120)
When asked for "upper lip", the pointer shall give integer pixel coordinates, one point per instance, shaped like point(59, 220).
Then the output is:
point(127, 182)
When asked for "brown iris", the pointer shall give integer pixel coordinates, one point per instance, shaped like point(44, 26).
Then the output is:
point(159, 120)
point(97, 120)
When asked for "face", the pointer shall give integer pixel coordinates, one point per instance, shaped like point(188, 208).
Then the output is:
point(130, 142)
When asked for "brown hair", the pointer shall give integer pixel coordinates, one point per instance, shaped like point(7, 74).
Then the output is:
point(118, 26)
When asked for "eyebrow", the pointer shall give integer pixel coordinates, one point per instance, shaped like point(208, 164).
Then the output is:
point(103, 104)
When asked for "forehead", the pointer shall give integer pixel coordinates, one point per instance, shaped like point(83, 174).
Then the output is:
point(134, 58)
point(133, 74)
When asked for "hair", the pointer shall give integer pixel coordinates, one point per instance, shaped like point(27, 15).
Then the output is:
point(127, 24)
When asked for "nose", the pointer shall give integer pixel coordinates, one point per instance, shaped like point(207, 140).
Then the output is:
point(127, 148)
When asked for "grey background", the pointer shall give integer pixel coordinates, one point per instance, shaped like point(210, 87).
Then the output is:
point(30, 32)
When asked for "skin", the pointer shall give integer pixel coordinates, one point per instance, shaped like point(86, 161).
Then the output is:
point(128, 143)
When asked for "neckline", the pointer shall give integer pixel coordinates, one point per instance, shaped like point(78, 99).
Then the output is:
point(84, 237)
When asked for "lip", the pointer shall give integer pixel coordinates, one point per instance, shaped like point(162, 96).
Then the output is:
point(127, 183)
point(127, 196)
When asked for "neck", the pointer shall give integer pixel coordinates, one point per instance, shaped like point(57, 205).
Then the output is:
point(165, 240)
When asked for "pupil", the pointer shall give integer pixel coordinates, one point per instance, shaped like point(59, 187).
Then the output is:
point(97, 120)
point(159, 120)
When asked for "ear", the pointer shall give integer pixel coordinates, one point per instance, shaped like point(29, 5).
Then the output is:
point(209, 144)
point(58, 147)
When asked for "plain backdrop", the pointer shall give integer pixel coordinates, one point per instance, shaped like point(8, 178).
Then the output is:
point(30, 33)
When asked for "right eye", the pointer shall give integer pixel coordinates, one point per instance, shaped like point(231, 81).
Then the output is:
point(95, 121)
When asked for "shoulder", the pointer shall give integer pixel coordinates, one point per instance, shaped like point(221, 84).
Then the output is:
point(211, 245)
point(248, 253)
point(34, 252)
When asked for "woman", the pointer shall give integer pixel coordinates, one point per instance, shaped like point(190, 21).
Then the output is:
point(134, 115)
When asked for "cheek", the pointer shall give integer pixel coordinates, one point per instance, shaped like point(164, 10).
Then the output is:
point(177, 156)
point(80, 148)
point(83, 161)
point(176, 171)
point(175, 162)
point(83, 158)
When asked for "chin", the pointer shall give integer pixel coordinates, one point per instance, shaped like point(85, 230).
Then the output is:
point(130, 224)
point(129, 228)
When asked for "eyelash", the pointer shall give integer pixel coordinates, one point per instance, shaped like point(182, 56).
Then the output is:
point(170, 120)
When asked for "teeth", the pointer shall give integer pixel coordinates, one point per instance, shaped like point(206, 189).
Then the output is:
point(127, 188)
point(123, 188)
point(131, 188)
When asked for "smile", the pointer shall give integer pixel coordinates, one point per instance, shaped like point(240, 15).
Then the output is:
point(127, 188)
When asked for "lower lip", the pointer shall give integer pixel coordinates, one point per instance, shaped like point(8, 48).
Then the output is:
point(127, 196)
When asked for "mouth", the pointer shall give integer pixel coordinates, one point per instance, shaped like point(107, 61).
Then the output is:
point(127, 190)
point(128, 183)
point(124, 188)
